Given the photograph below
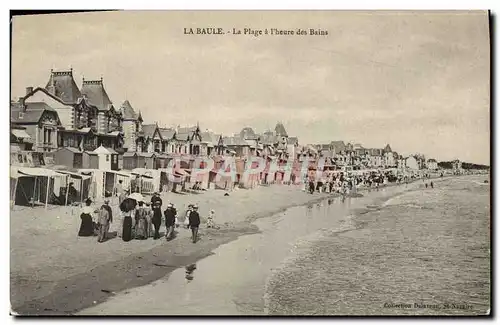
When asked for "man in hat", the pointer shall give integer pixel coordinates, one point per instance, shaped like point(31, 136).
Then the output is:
point(105, 219)
point(170, 214)
point(156, 203)
point(194, 223)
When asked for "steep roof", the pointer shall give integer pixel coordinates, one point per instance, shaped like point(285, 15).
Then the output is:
point(149, 129)
point(185, 132)
point(128, 111)
point(166, 133)
point(210, 137)
point(387, 148)
point(62, 85)
point(32, 114)
point(280, 130)
point(431, 160)
point(338, 146)
point(96, 94)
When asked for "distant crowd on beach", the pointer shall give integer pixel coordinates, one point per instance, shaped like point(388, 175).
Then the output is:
point(348, 184)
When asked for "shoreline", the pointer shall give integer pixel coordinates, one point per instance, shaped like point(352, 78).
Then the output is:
point(77, 292)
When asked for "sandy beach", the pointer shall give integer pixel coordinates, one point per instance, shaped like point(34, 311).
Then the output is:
point(280, 271)
point(53, 271)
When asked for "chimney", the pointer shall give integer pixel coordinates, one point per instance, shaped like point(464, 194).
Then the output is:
point(29, 90)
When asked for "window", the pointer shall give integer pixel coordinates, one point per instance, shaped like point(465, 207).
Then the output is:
point(107, 157)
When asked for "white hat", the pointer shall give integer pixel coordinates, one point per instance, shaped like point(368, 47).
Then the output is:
point(170, 205)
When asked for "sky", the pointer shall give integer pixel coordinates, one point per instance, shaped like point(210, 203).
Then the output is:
point(419, 81)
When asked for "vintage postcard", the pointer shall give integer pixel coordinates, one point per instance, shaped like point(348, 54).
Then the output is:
point(250, 163)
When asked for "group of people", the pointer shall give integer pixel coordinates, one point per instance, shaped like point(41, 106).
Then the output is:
point(89, 227)
point(141, 221)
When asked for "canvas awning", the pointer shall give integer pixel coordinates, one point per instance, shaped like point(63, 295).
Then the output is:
point(33, 171)
point(21, 134)
point(82, 176)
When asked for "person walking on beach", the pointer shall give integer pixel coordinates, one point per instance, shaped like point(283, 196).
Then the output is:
point(194, 223)
point(170, 214)
point(432, 185)
point(127, 225)
point(186, 218)
point(141, 225)
point(156, 202)
point(105, 220)
point(149, 219)
point(87, 224)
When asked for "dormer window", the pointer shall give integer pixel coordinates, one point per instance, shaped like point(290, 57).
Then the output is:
point(21, 115)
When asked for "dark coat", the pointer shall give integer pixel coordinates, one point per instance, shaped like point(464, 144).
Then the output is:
point(170, 214)
point(194, 219)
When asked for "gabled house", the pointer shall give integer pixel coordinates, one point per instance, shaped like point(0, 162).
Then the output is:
point(211, 142)
point(152, 138)
point(168, 136)
point(188, 140)
point(40, 122)
point(252, 139)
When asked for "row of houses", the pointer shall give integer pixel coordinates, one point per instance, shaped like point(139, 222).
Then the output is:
point(79, 126)
point(355, 155)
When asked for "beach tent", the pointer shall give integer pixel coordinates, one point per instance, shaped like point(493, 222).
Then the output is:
point(81, 183)
point(149, 179)
point(104, 182)
point(34, 185)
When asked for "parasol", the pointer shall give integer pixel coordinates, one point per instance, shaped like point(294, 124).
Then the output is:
point(128, 205)
point(137, 196)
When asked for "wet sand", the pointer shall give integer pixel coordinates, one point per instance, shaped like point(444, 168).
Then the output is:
point(232, 280)
point(55, 272)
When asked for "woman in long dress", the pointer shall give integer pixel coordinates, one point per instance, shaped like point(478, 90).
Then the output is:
point(127, 226)
point(87, 224)
point(141, 225)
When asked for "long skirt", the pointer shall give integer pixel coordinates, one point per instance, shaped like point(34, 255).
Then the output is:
point(127, 229)
point(141, 229)
point(87, 226)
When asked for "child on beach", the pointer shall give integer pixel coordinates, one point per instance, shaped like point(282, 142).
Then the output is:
point(210, 219)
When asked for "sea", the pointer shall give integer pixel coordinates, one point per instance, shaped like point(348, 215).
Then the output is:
point(402, 250)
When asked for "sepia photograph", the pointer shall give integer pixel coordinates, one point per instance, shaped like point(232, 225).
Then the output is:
point(250, 163)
